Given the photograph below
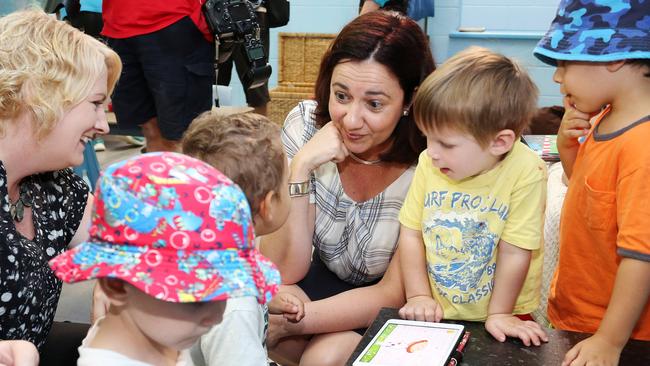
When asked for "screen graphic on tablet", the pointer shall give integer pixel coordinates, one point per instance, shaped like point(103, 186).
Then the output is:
point(404, 342)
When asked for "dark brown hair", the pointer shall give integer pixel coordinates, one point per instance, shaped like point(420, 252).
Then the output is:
point(396, 42)
point(245, 147)
point(641, 62)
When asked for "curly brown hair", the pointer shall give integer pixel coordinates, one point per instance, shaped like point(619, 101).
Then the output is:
point(245, 147)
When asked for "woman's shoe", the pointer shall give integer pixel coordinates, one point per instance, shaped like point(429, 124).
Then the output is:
point(133, 140)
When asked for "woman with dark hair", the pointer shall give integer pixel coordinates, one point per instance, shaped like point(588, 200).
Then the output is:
point(353, 152)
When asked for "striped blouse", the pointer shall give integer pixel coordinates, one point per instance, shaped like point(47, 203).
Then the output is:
point(355, 240)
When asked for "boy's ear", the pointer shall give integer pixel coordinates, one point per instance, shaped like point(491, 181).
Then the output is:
point(265, 211)
point(114, 289)
point(502, 142)
point(614, 66)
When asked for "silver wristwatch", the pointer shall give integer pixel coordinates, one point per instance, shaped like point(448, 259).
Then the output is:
point(299, 189)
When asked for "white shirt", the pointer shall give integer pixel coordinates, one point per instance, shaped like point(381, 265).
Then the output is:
point(238, 340)
point(101, 357)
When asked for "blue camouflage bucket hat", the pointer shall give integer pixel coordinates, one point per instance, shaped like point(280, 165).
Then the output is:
point(597, 31)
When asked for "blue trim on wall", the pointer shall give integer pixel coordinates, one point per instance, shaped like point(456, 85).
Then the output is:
point(498, 35)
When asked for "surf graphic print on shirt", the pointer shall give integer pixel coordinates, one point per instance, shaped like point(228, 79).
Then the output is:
point(460, 233)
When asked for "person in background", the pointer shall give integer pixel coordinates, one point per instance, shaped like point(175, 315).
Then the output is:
point(602, 55)
point(168, 57)
point(86, 15)
point(352, 156)
point(224, 143)
point(54, 85)
point(171, 240)
point(472, 222)
point(372, 5)
point(258, 98)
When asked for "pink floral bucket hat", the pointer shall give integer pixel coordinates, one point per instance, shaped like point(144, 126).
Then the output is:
point(175, 228)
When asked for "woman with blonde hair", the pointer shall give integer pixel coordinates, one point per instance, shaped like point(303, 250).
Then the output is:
point(54, 85)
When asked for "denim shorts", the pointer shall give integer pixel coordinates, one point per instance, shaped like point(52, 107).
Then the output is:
point(166, 74)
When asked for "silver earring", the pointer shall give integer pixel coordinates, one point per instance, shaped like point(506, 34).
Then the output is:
point(405, 112)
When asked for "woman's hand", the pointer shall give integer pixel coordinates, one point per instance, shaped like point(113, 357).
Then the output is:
point(18, 353)
point(502, 325)
point(423, 308)
point(325, 146)
point(280, 327)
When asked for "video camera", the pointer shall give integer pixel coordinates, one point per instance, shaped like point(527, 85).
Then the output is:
point(234, 22)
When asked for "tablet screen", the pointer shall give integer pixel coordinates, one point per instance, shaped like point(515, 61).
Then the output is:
point(404, 342)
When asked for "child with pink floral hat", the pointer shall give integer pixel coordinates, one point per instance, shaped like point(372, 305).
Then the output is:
point(225, 142)
point(171, 241)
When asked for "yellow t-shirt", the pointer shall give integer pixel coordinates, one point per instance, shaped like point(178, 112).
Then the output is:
point(461, 224)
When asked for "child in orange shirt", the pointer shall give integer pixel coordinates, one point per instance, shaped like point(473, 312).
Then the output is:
point(602, 280)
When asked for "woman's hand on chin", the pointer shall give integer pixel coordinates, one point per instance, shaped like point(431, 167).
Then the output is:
point(326, 145)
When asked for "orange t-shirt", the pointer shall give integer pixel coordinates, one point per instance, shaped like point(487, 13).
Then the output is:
point(605, 217)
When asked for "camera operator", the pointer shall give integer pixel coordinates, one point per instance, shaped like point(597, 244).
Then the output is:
point(258, 97)
point(168, 58)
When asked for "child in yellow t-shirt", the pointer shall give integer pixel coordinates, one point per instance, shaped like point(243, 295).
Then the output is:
point(471, 236)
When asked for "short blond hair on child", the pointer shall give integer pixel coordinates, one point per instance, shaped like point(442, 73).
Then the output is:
point(245, 147)
point(479, 92)
point(47, 67)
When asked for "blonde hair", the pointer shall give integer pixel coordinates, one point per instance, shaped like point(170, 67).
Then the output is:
point(48, 67)
point(245, 147)
point(478, 92)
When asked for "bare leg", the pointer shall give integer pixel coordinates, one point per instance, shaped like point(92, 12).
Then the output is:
point(154, 139)
point(330, 349)
point(261, 109)
point(330, 320)
point(289, 350)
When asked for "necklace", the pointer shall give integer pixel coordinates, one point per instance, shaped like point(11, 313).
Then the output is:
point(364, 162)
point(17, 210)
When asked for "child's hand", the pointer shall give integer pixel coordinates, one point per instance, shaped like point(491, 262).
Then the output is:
point(422, 308)
point(508, 325)
point(290, 306)
point(594, 350)
point(575, 124)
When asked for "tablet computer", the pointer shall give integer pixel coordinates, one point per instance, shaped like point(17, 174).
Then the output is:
point(407, 342)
